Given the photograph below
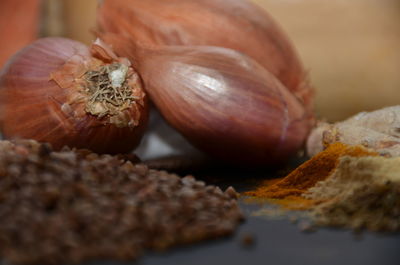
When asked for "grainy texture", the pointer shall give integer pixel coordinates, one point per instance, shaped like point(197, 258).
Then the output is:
point(363, 193)
point(369, 207)
point(71, 206)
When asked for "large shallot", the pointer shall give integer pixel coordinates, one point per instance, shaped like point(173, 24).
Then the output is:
point(236, 24)
point(223, 102)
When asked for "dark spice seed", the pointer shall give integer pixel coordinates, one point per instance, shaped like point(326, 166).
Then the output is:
point(73, 206)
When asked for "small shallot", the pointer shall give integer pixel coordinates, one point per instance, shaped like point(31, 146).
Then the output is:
point(62, 92)
point(223, 102)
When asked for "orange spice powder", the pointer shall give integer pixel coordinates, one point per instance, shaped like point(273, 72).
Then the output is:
point(307, 175)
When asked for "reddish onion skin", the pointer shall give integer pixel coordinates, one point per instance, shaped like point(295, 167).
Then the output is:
point(40, 99)
point(236, 24)
point(19, 25)
point(224, 103)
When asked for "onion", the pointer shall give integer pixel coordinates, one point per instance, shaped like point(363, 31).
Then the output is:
point(236, 24)
point(60, 91)
point(223, 102)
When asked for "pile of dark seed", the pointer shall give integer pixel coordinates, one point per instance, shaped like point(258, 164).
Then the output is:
point(73, 206)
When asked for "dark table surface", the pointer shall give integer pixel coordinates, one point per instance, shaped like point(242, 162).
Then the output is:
point(278, 241)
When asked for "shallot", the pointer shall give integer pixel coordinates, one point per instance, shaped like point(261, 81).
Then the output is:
point(62, 92)
point(223, 102)
point(236, 24)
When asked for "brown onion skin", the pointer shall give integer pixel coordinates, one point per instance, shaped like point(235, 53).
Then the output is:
point(236, 24)
point(31, 103)
point(225, 103)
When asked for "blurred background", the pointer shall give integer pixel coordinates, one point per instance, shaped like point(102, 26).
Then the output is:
point(350, 47)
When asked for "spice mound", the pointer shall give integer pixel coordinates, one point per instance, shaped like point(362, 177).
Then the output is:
point(310, 173)
point(362, 193)
point(73, 206)
point(342, 186)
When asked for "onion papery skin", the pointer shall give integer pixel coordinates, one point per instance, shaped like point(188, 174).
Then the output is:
point(236, 24)
point(41, 99)
point(224, 103)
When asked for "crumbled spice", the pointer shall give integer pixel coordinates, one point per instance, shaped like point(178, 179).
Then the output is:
point(363, 193)
point(72, 206)
point(343, 186)
point(248, 240)
point(375, 208)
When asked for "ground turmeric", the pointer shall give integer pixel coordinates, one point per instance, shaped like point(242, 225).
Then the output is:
point(308, 174)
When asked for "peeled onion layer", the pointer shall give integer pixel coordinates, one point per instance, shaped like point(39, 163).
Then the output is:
point(236, 24)
point(224, 103)
point(42, 97)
